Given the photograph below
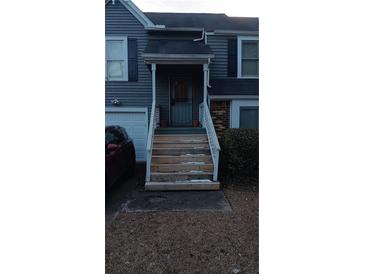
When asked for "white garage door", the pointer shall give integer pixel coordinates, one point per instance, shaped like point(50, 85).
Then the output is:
point(134, 120)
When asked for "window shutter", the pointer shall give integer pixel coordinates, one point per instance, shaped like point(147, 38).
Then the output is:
point(132, 60)
point(232, 58)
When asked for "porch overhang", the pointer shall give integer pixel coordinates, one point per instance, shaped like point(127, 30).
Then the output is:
point(167, 51)
point(178, 59)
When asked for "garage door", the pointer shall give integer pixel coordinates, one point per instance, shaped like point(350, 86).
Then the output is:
point(134, 120)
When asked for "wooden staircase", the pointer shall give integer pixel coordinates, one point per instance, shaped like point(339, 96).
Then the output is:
point(181, 160)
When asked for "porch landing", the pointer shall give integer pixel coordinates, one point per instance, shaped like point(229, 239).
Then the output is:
point(180, 130)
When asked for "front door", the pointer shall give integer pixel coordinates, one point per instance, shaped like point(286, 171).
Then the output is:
point(181, 102)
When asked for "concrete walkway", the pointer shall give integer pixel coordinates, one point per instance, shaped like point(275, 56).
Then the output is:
point(176, 201)
point(127, 195)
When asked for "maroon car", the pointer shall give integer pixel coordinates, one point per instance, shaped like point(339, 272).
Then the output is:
point(120, 155)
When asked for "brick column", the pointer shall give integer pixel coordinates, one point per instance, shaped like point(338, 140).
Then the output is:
point(220, 112)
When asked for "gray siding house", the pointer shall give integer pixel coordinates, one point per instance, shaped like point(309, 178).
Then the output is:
point(176, 81)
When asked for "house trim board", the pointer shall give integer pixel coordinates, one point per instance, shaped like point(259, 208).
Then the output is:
point(125, 55)
point(239, 54)
point(141, 17)
point(235, 108)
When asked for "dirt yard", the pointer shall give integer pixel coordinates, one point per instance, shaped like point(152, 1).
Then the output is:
point(180, 242)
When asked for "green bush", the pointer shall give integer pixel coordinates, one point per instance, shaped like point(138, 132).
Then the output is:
point(239, 154)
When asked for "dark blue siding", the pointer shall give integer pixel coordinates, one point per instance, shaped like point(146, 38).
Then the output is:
point(219, 46)
point(119, 21)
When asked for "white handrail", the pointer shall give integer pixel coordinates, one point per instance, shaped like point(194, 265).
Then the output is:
point(151, 133)
point(214, 146)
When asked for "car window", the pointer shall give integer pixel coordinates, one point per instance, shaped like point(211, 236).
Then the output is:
point(114, 136)
point(125, 133)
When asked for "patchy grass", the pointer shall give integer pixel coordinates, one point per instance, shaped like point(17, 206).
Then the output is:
point(189, 242)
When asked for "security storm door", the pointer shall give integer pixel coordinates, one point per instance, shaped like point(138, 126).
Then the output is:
point(181, 102)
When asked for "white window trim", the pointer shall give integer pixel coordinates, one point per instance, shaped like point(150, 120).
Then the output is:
point(239, 55)
point(125, 55)
point(235, 110)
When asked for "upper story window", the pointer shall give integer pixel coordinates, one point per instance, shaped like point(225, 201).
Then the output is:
point(248, 57)
point(116, 59)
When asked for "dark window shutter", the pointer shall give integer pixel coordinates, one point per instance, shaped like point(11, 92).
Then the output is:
point(232, 58)
point(132, 60)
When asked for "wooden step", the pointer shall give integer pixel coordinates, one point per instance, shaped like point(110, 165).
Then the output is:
point(169, 168)
point(180, 176)
point(168, 159)
point(180, 151)
point(182, 141)
point(181, 137)
point(182, 185)
point(180, 145)
point(180, 131)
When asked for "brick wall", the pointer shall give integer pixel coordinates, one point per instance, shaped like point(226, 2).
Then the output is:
point(220, 112)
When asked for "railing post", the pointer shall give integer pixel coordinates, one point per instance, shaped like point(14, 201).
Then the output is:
point(205, 70)
point(153, 67)
point(152, 125)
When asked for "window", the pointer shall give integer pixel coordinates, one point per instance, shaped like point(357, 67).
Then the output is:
point(248, 57)
point(249, 117)
point(245, 113)
point(116, 59)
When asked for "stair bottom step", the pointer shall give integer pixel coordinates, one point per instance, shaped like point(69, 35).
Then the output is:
point(183, 185)
point(180, 176)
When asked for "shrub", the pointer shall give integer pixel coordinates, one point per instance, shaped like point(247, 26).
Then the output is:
point(239, 154)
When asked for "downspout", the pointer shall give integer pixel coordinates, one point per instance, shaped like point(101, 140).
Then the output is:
point(208, 82)
point(202, 38)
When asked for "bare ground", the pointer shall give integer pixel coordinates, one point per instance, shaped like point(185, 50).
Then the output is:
point(188, 242)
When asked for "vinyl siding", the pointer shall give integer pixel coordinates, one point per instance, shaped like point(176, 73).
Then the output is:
point(175, 35)
point(219, 46)
point(220, 83)
point(119, 21)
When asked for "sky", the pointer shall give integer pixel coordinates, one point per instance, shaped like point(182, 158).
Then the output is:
point(229, 7)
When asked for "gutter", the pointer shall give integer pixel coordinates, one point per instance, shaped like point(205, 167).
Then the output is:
point(164, 28)
point(242, 32)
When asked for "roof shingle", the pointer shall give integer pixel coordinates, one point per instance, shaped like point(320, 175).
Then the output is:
point(206, 21)
point(165, 46)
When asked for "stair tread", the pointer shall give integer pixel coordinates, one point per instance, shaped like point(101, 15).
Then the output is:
point(182, 141)
point(180, 148)
point(188, 185)
point(183, 173)
point(184, 164)
point(181, 156)
point(180, 134)
point(178, 159)
point(175, 148)
point(203, 181)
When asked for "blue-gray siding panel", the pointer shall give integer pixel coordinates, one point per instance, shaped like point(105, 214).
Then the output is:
point(162, 91)
point(219, 46)
point(219, 80)
point(119, 21)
